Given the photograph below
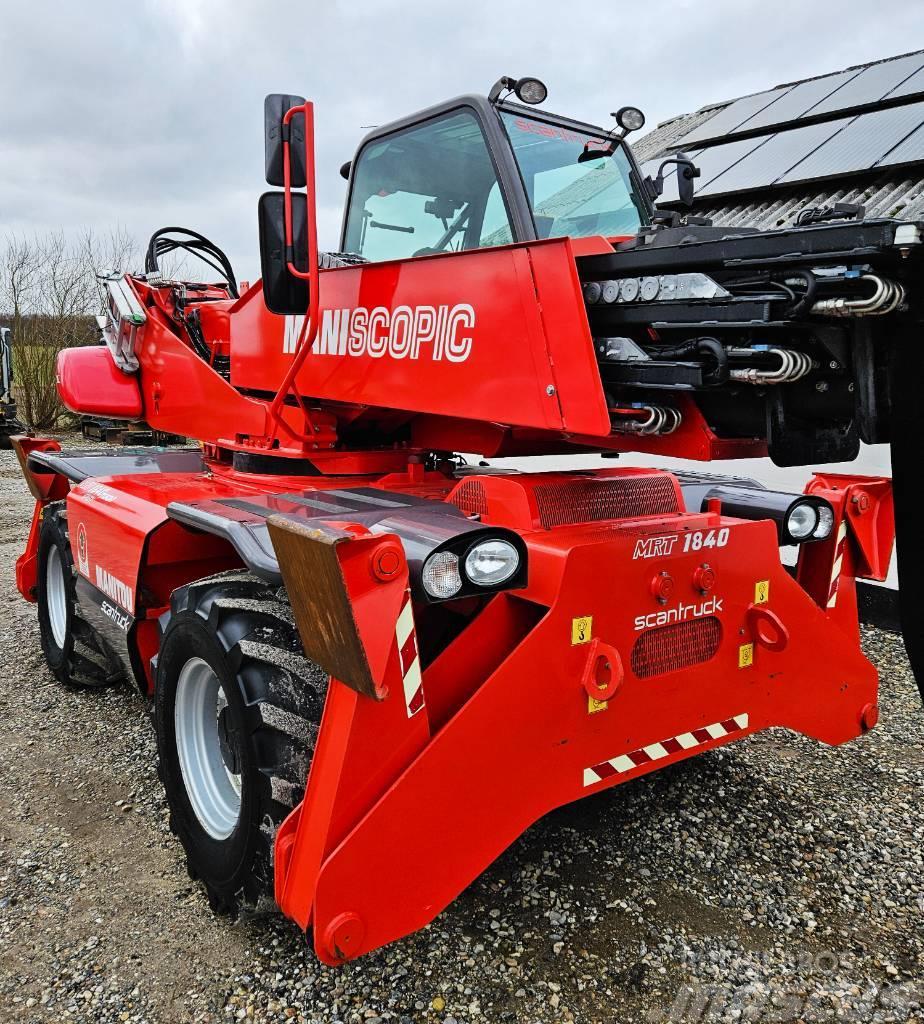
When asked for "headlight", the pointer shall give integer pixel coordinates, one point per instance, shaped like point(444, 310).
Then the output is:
point(440, 576)
point(802, 521)
point(825, 522)
point(491, 562)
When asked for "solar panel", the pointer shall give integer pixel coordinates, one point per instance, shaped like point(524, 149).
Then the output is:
point(911, 148)
point(728, 119)
point(765, 163)
point(865, 141)
point(871, 84)
point(797, 101)
point(911, 85)
point(716, 160)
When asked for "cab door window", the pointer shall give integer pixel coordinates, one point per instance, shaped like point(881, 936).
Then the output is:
point(425, 190)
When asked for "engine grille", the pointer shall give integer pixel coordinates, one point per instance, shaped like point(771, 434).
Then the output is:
point(679, 645)
point(591, 501)
point(469, 497)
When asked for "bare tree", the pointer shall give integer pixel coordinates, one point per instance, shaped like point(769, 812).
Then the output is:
point(49, 294)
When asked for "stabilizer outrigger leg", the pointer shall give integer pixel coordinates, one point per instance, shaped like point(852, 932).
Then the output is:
point(907, 435)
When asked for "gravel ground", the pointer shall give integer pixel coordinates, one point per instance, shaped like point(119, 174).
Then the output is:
point(775, 879)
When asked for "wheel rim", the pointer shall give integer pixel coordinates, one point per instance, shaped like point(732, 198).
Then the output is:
point(206, 751)
point(56, 596)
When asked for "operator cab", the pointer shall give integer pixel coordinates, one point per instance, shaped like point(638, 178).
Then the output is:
point(476, 172)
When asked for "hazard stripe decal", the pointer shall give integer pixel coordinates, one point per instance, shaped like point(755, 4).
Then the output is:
point(838, 562)
point(664, 748)
point(409, 657)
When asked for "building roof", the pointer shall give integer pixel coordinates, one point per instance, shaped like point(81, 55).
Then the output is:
point(855, 135)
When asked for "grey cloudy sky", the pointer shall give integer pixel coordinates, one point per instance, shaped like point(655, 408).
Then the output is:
point(146, 114)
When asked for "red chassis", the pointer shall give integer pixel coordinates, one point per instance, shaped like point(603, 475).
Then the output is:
point(594, 673)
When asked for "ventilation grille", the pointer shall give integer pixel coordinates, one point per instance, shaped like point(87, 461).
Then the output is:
point(669, 648)
point(591, 501)
point(469, 497)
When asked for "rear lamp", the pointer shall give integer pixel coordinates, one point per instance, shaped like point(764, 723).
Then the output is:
point(530, 90)
point(440, 576)
point(491, 562)
point(630, 119)
point(825, 522)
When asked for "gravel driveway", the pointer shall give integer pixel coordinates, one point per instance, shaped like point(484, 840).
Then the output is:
point(775, 879)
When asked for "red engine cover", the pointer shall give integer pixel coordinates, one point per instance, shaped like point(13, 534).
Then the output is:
point(90, 382)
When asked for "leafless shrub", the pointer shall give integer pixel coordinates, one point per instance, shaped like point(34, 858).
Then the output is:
point(49, 295)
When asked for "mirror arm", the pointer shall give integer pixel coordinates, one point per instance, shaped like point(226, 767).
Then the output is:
point(312, 276)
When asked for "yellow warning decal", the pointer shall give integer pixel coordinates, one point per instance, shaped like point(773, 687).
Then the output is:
point(761, 591)
point(582, 629)
point(745, 656)
point(594, 705)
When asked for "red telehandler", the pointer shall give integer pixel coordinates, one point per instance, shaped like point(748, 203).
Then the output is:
point(373, 663)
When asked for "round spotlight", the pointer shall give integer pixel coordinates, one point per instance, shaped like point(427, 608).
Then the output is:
point(630, 119)
point(531, 90)
point(802, 521)
point(440, 577)
point(491, 562)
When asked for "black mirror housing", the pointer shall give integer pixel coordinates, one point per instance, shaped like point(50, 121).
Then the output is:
point(275, 107)
point(686, 172)
point(282, 292)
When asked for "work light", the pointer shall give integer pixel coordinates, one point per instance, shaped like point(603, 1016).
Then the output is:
point(630, 119)
point(802, 521)
point(531, 90)
point(491, 562)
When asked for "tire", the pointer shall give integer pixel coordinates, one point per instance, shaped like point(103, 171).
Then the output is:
point(237, 710)
point(75, 654)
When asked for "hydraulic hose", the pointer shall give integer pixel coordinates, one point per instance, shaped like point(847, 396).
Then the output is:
point(712, 348)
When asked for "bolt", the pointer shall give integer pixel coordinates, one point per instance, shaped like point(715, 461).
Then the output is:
point(821, 386)
point(550, 390)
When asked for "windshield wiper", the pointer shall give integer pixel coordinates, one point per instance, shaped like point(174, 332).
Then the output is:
point(392, 227)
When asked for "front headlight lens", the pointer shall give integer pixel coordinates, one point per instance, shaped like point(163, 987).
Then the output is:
point(440, 576)
point(491, 562)
point(825, 523)
point(802, 521)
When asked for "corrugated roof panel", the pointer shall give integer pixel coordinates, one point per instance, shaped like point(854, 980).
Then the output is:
point(862, 144)
point(894, 195)
point(764, 164)
point(871, 84)
point(728, 119)
point(800, 99)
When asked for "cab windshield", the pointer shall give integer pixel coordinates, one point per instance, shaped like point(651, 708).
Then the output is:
point(569, 196)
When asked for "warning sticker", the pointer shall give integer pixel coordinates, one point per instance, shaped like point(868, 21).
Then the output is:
point(745, 656)
point(582, 629)
point(761, 591)
point(594, 705)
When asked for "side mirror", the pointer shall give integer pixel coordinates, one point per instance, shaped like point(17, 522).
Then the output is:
point(275, 107)
point(686, 172)
point(282, 292)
